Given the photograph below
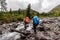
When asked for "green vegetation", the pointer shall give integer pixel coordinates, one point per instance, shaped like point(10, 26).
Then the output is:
point(28, 11)
point(18, 15)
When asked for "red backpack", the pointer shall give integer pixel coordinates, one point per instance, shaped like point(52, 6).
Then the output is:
point(26, 19)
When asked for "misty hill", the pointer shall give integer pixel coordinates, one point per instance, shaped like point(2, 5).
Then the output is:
point(18, 15)
point(56, 9)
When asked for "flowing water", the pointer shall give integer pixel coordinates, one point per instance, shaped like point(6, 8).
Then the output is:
point(48, 29)
point(14, 35)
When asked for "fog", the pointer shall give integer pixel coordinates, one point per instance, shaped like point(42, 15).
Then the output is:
point(37, 5)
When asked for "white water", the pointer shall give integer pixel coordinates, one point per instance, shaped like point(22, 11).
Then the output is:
point(14, 35)
point(38, 5)
point(10, 36)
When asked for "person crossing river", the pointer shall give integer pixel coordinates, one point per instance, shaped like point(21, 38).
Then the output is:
point(26, 22)
point(35, 23)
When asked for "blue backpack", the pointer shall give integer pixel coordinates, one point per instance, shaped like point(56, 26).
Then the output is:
point(35, 20)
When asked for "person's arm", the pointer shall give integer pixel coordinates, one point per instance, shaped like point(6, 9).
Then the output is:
point(40, 21)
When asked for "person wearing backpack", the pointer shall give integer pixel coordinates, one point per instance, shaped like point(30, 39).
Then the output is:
point(35, 23)
point(26, 22)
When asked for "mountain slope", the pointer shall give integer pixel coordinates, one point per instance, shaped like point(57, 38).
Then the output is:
point(56, 9)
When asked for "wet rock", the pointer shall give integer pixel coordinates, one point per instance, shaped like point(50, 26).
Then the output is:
point(48, 29)
point(43, 39)
point(0, 32)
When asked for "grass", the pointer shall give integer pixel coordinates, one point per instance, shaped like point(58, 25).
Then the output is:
point(18, 15)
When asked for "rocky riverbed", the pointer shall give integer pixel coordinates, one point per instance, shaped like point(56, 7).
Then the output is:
point(48, 29)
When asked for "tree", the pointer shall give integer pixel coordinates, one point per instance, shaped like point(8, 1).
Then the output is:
point(19, 11)
point(28, 10)
point(3, 5)
point(10, 11)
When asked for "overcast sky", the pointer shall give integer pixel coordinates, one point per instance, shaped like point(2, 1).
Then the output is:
point(38, 5)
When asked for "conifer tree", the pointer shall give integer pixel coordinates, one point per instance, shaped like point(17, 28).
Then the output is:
point(28, 10)
point(3, 5)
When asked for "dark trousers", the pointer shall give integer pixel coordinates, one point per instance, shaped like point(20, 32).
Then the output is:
point(34, 27)
point(26, 25)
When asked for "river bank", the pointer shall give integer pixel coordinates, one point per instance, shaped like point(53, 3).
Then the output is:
point(48, 29)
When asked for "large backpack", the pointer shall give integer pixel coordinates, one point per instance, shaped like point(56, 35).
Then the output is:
point(35, 20)
point(26, 19)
